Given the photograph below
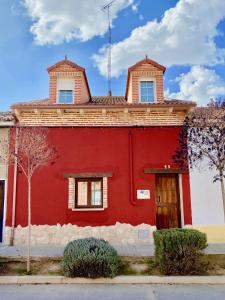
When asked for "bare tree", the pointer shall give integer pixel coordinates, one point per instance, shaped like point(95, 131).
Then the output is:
point(202, 141)
point(33, 151)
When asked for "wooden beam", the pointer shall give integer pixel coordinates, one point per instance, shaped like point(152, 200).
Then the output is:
point(87, 175)
point(164, 171)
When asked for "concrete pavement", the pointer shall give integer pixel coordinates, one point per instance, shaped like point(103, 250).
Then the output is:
point(112, 292)
point(139, 279)
point(123, 250)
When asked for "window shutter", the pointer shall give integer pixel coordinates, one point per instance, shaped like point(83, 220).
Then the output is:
point(105, 192)
point(71, 193)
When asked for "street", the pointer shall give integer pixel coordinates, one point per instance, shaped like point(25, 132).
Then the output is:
point(112, 292)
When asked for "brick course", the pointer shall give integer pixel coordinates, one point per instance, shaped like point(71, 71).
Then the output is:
point(98, 118)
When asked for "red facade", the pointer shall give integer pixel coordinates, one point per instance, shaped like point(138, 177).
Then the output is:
point(123, 151)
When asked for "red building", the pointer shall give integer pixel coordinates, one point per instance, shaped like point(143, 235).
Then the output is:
point(115, 177)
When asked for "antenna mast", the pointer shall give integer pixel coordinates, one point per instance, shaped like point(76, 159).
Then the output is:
point(107, 8)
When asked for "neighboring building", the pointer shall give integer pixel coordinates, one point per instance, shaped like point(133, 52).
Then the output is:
point(115, 177)
point(6, 121)
point(207, 205)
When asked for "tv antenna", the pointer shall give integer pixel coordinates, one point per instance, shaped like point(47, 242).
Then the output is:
point(107, 8)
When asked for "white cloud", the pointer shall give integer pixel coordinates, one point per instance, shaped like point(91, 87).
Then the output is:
point(185, 35)
point(56, 21)
point(200, 84)
point(134, 7)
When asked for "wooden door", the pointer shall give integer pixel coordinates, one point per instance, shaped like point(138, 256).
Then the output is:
point(1, 207)
point(167, 201)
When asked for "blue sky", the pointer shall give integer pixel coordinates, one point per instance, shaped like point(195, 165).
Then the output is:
point(186, 36)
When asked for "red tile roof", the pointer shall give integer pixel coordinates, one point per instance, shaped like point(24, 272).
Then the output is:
point(103, 101)
point(147, 60)
point(65, 61)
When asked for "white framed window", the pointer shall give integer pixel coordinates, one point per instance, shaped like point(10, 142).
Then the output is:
point(88, 193)
point(65, 96)
point(65, 91)
point(147, 91)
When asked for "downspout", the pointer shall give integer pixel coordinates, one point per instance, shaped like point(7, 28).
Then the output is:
point(131, 168)
point(14, 190)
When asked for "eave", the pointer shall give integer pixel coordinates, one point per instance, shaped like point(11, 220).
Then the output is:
point(82, 108)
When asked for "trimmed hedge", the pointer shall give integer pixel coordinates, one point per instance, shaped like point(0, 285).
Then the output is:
point(179, 251)
point(90, 257)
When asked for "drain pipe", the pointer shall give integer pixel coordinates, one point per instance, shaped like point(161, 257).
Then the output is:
point(131, 168)
point(11, 242)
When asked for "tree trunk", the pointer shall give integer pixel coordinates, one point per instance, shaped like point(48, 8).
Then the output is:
point(223, 193)
point(29, 225)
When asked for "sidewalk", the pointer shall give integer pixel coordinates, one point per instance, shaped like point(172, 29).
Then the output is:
point(182, 280)
point(123, 250)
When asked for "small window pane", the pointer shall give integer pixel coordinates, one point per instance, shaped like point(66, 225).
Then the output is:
point(82, 193)
point(147, 91)
point(65, 96)
point(96, 193)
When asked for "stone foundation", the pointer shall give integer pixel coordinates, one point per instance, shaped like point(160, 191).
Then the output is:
point(120, 233)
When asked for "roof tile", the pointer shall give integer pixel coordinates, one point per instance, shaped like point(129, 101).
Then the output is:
point(103, 101)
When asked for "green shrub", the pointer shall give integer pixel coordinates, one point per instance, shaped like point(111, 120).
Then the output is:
point(90, 258)
point(179, 251)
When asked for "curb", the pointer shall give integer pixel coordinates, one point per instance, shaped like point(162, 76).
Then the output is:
point(183, 280)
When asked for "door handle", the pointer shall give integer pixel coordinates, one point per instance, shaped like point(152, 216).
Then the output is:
point(159, 199)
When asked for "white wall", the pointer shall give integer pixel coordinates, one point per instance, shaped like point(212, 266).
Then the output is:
point(206, 198)
point(4, 132)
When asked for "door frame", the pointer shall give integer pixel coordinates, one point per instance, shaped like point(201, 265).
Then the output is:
point(179, 195)
point(4, 208)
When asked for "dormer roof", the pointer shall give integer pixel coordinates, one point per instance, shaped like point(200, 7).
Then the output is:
point(73, 66)
point(144, 61)
point(65, 62)
point(147, 60)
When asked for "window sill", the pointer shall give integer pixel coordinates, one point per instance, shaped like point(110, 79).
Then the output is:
point(88, 209)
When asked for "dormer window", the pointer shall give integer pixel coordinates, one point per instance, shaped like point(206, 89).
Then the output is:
point(65, 96)
point(147, 91)
point(65, 90)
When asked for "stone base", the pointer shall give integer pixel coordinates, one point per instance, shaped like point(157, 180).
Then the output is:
point(120, 233)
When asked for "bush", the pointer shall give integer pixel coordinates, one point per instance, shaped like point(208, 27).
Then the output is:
point(90, 258)
point(179, 251)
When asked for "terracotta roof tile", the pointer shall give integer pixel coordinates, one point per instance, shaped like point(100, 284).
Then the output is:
point(108, 100)
point(65, 61)
point(102, 101)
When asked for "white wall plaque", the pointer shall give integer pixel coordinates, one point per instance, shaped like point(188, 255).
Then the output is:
point(143, 194)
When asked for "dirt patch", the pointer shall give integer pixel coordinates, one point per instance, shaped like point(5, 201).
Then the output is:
point(216, 264)
point(138, 266)
point(39, 266)
point(128, 266)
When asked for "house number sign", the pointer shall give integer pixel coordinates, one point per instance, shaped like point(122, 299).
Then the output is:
point(143, 194)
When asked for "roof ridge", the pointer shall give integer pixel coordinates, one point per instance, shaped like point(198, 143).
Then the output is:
point(65, 61)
